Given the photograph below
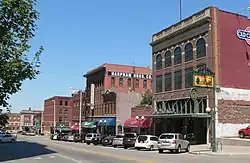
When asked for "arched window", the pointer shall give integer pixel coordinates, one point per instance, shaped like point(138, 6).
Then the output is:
point(168, 61)
point(112, 81)
point(188, 52)
point(177, 56)
point(158, 62)
point(201, 48)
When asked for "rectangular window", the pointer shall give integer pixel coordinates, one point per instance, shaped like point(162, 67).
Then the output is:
point(112, 81)
point(137, 83)
point(177, 79)
point(145, 82)
point(129, 82)
point(66, 103)
point(65, 119)
point(168, 82)
point(189, 77)
point(158, 84)
point(61, 102)
point(121, 82)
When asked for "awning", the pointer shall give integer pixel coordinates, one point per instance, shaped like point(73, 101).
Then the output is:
point(107, 122)
point(62, 129)
point(89, 124)
point(194, 115)
point(142, 123)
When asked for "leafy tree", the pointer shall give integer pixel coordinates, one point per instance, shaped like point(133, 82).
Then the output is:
point(4, 117)
point(147, 98)
point(17, 28)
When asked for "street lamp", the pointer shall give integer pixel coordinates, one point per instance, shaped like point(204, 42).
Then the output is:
point(54, 116)
point(80, 114)
point(139, 119)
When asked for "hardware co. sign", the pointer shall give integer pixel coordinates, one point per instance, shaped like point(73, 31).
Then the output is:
point(244, 34)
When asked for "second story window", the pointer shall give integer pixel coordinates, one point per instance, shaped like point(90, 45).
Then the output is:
point(168, 59)
point(121, 82)
point(112, 81)
point(177, 80)
point(145, 82)
point(189, 77)
point(177, 56)
point(201, 48)
point(158, 62)
point(60, 111)
point(188, 52)
point(129, 82)
point(65, 111)
point(137, 83)
point(66, 103)
point(168, 82)
point(61, 102)
point(158, 84)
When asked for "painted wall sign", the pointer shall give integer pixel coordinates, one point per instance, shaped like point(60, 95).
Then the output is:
point(244, 34)
point(130, 75)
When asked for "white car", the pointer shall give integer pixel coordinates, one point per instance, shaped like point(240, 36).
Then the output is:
point(172, 142)
point(89, 137)
point(117, 141)
point(7, 138)
point(149, 142)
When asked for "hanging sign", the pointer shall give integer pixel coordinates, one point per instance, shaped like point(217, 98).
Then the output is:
point(244, 34)
point(203, 81)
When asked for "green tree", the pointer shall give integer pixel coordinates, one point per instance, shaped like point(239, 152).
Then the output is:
point(147, 98)
point(17, 28)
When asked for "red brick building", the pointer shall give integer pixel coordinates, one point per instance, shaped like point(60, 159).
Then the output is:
point(76, 107)
point(117, 88)
point(209, 39)
point(62, 108)
point(14, 122)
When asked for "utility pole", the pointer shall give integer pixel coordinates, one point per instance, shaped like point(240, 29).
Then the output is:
point(54, 125)
point(80, 118)
point(133, 78)
point(180, 5)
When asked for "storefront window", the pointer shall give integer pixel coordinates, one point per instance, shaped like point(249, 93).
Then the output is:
point(188, 52)
point(158, 84)
point(177, 80)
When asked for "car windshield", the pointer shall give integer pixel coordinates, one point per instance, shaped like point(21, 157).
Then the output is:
point(129, 135)
point(167, 136)
point(142, 138)
point(89, 135)
point(118, 136)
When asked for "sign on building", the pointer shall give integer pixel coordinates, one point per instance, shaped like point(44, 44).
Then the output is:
point(244, 34)
point(206, 81)
point(129, 75)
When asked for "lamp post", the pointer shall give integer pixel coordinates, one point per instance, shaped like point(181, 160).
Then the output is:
point(54, 112)
point(139, 119)
point(80, 114)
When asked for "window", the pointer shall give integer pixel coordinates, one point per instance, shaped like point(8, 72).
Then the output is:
point(112, 81)
point(188, 52)
point(121, 82)
point(137, 83)
point(65, 111)
point(65, 119)
point(60, 102)
point(177, 56)
point(129, 82)
point(168, 60)
point(177, 80)
point(158, 62)
point(66, 103)
point(168, 82)
point(145, 82)
point(158, 84)
point(201, 48)
point(60, 111)
point(189, 77)
point(60, 119)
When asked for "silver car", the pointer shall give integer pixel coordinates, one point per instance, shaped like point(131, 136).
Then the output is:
point(117, 141)
point(172, 142)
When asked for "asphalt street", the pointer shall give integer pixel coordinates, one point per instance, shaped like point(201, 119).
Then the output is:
point(43, 150)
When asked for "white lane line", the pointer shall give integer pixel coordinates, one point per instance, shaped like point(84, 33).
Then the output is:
point(66, 157)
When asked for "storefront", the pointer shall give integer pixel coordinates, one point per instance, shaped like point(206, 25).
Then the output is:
point(138, 125)
point(107, 126)
point(89, 126)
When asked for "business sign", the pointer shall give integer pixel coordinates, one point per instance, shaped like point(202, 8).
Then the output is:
point(130, 75)
point(92, 96)
point(244, 34)
point(203, 81)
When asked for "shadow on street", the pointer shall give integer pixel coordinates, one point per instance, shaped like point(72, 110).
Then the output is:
point(21, 150)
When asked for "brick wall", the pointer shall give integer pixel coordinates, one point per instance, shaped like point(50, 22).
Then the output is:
point(141, 111)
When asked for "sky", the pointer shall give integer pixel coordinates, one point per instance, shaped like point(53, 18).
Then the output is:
point(79, 35)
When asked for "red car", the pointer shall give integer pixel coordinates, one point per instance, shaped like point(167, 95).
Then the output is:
point(244, 132)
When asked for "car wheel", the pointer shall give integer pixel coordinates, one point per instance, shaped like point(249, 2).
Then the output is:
point(171, 150)
point(12, 141)
point(188, 148)
point(88, 143)
point(241, 135)
point(160, 151)
point(178, 149)
point(125, 147)
point(138, 149)
point(114, 146)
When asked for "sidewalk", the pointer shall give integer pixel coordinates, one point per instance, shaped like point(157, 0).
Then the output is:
point(226, 150)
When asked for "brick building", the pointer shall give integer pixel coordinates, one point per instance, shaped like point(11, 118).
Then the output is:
point(76, 107)
point(59, 106)
point(14, 122)
point(117, 88)
point(209, 39)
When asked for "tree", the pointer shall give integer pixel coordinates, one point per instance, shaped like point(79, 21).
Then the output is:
point(4, 117)
point(17, 28)
point(147, 98)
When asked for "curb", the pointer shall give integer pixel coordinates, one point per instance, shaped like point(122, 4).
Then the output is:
point(216, 154)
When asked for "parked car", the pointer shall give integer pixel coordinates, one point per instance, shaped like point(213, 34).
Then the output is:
point(89, 137)
point(149, 142)
point(77, 138)
point(31, 133)
point(60, 135)
point(64, 137)
point(107, 141)
point(98, 139)
point(7, 138)
point(54, 136)
point(244, 132)
point(129, 140)
point(172, 142)
point(118, 141)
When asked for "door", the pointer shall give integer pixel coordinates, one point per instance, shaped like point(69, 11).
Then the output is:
point(154, 141)
point(7, 138)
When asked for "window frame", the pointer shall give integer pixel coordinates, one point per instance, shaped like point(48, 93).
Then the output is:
point(168, 59)
point(158, 84)
point(158, 60)
point(113, 81)
point(177, 56)
point(201, 48)
point(179, 86)
point(168, 77)
point(120, 82)
point(145, 84)
point(137, 83)
point(189, 52)
point(189, 71)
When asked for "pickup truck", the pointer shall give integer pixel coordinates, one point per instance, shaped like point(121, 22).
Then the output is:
point(244, 132)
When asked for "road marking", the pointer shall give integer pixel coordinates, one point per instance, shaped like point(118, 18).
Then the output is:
point(126, 158)
point(51, 156)
point(37, 158)
point(66, 157)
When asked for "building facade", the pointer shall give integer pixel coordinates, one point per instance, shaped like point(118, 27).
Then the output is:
point(31, 120)
point(117, 88)
point(76, 107)
point(204, 41)
point(59, 106)
point(14, 124)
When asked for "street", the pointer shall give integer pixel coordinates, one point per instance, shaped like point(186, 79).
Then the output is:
point(43, 150)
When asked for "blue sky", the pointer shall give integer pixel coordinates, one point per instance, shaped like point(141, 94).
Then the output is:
point(79, 35)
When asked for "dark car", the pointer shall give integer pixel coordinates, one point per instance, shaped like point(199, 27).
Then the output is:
point(60, 135)
point(98, 140)
point(108, 140)
point(129, 140)
point(77, 138)
point(64, 138)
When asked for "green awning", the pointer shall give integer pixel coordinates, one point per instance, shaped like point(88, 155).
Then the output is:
point(89, 124)
point(38, 126)
point(63, 129)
